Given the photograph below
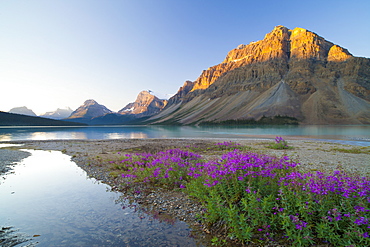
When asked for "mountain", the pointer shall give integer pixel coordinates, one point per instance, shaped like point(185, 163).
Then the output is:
point(58, 114)
point(22, 110)
point(145, 104)
point(11, 119)
point(89, 110)
point(292, 75)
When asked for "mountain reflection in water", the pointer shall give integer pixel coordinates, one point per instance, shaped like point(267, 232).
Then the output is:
point(50, 199)
point(347, 134)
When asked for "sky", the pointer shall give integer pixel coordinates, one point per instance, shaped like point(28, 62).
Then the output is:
point(57, 54)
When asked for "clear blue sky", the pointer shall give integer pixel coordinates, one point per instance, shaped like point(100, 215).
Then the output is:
point(57, 53)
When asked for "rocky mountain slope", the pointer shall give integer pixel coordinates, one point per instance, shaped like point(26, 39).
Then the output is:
point(58, 114)
point(23, 110)
point(145, 104)
point(89, 110)
point(291, 73)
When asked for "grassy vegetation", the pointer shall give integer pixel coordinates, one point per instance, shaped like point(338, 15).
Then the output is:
point(201, 148)
point(258, 198)
point(362, 150)
point(279, 143)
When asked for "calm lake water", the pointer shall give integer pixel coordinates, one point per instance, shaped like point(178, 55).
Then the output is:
point(56, 204)
point(349, 134)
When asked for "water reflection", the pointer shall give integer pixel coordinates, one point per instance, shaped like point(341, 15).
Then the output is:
point(133, 135)
point(360, 133)
point(6, 137)
point(57, 135)
point(49, 196)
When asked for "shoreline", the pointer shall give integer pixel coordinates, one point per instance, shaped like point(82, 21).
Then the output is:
point(93, 157)
point(9, 158)
point(311, 154)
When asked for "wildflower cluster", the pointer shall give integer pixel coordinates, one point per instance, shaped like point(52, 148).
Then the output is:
point(280, 143)
point(260, 197)
point(168, 168)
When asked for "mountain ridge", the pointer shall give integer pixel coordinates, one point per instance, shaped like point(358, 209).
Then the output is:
point(287, 44)
point(291, 74)
point(58, 113)
point(306, 65)
point(88, 110)
point(23, 110)
point(145, 104)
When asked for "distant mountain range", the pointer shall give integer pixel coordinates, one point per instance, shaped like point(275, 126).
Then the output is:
point(145, 105)
point(290, 77)
point(58, 114)
point(12, 119)
point(23, 110)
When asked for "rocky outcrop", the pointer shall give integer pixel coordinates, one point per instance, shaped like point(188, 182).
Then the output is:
point(145, 104)
point(294, 73)
point(23, 110)
point(184, 90)
point(281, 44)
point(89, 110)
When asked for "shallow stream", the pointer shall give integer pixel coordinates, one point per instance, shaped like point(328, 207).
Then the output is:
point(53, 203)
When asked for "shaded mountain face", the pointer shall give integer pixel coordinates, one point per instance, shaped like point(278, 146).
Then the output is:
point(293, 73)
point(23, 111)
point(184, 90)
point(90, 109)
point(58, 114)
point(145, 104)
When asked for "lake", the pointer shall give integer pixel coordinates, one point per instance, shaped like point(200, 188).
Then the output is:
point(347, 134)
point(56, 204)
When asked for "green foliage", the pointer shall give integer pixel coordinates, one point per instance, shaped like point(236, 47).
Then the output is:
point(280, 143)
point(279, 146)
point(363, 150)
point(259, 198)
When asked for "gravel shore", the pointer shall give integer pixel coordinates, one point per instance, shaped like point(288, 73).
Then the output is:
point(9, 158)
point(312, 155)
point(94, 155)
